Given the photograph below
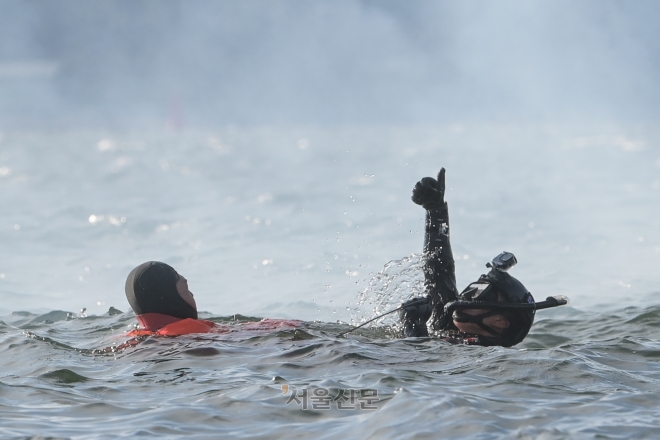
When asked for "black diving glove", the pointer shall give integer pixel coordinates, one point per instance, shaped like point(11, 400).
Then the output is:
point(413, 315)
point(430, 193)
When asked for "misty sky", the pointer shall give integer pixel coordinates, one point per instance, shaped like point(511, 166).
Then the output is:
point(213, 63)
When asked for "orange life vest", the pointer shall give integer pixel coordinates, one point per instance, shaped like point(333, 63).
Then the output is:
point(156, 324)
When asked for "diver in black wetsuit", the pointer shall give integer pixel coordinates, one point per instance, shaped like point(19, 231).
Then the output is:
point(494, 310)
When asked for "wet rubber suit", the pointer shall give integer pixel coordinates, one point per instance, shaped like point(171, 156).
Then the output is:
point(439, 269)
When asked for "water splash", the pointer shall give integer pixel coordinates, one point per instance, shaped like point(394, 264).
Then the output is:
point(398, 281)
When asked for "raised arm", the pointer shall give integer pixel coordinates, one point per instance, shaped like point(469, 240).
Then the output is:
point(439, 277)
point(439, 272)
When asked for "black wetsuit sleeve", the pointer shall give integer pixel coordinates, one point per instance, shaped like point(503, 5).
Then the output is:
point(439, 269)
point(439, 279)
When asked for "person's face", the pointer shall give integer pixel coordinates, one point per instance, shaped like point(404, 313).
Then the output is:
point(182, 288)
point(497, 322)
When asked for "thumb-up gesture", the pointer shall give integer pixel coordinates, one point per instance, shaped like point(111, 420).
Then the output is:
point(429, 192)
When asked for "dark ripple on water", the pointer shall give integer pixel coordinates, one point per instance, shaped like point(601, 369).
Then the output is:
point(577, 375)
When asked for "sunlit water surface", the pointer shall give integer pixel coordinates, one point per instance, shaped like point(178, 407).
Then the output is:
point(316, 224)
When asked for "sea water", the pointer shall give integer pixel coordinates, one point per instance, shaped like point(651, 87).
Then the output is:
point(316, 224)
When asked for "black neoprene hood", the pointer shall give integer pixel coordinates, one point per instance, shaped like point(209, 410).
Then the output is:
point(515, 293)
point(151, 288)
point(496, 284)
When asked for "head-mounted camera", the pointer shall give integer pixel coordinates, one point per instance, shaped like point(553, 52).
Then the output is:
point(499, 292)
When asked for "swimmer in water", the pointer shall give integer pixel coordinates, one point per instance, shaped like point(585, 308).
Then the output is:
point(165, 306)
point(494, 310)
point(162, 302)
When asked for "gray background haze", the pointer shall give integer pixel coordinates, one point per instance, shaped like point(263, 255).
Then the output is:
point(131, 63)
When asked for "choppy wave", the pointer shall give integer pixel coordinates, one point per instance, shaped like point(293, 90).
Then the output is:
point(573, 368)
